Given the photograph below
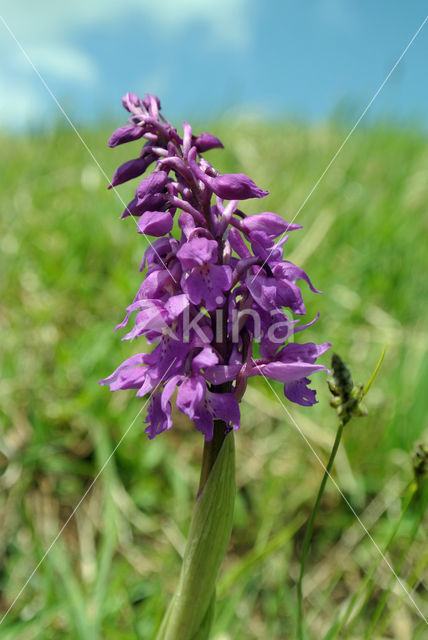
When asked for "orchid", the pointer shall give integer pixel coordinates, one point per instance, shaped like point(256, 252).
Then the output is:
point(215, 284)
point(216, 300)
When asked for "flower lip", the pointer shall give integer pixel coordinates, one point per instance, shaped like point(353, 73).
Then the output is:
point(197, 252)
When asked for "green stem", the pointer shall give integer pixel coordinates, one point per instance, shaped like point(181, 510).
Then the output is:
point(203, 633)
point(191, 611)
point(310, 529)
point(210, 452)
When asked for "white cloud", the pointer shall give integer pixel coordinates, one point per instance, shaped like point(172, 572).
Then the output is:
point(65, 62)
point(221, 16)
point(20, 104)
point(53, 20)
point(47, 32)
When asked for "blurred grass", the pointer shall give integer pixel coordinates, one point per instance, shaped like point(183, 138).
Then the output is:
point(68, 269)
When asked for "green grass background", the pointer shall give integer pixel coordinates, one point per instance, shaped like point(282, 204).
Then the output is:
point(69, 267)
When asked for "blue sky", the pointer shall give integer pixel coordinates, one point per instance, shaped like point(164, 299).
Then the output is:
point(211, 57)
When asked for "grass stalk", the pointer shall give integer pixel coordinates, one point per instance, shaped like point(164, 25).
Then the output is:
point(310, 529)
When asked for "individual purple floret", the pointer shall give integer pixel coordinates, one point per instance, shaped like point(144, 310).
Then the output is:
point(215, 282)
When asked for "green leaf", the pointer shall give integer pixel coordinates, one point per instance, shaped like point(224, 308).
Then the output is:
point(206, 546)
point(203, 633)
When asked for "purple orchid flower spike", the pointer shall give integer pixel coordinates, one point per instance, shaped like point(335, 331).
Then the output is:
point(215, 284)
point(216, 303)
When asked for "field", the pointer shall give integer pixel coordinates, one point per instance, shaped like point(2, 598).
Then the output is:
point(69, 267)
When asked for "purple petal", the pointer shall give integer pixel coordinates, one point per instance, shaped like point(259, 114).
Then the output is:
point(157, 419)
point(206, 358)
point(178, 165)
point(238, 245)
point(128, 133)
point(187, 138)
point(152, 104)
point(129, 375)
point(176, 305)
point(204, 335)
point(152, 318)
point(197, 252)
point(263, 290)
point(264, 247)
point(130, 101)
point(299, 392)
point(270, 223)
point(223, 406)
point(194, 286)
point(288, 271)
point(132, 209)
point(208, 284)
point(271, 294)
point(307, 352)
point(222, 373)
point(289, 295)
point(203, 421)
point(218, 279)
point(154, 283)
point(155, 223)
point(167, 392)
point(151, 202)
point(153, 184)
point(130, 170)
point(302, 327)
point(186, 222)
point(288, 371)
point(190, 395)
point(230, 186)
point(157, 248)
point(205, 141)
point(167, 359)
point(150, 383)
point(277, 329)
point(235, 186)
